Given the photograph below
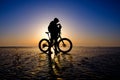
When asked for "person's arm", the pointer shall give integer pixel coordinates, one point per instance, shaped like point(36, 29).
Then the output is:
point(59, 26)
point(59, 29)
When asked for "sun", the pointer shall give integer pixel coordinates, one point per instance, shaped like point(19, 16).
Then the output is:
point(40, 31)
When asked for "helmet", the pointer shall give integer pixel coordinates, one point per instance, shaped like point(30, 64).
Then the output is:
point(56, 19)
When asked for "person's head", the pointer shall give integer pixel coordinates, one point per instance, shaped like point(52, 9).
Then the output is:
point(56, 20)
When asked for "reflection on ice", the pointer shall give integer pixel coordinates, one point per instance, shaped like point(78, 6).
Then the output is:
point(81, 63)
point(57, 64)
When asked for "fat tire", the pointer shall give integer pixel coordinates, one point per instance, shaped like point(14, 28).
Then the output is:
point(65, 39)
point(41, 49)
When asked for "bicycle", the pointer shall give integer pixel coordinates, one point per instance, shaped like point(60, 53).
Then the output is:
point(63, 44)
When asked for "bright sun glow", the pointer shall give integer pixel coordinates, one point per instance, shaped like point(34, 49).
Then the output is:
point(42, 27)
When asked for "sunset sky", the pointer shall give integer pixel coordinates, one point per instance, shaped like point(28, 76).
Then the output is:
point(85, 22)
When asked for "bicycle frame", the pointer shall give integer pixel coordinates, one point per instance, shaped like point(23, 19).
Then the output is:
point(48, 33)
point(61, 44)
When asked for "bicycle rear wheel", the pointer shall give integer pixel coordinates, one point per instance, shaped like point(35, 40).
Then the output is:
point(44, 45)
point(64, 45)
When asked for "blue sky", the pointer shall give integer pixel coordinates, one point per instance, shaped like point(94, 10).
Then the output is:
point(85, 22)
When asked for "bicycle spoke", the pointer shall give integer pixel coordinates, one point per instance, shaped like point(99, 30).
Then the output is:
point(65, 45)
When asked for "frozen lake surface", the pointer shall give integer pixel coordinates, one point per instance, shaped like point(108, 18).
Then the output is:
point(86, 63)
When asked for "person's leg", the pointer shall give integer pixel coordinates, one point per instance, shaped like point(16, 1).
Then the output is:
point(56, 46)
point(54, 42)
point(51, 43)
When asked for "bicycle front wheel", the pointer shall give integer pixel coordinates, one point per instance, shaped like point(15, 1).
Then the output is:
point(64, 45)
point(44, 45)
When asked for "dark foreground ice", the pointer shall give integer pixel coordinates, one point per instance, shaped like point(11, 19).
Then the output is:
point(82, 63)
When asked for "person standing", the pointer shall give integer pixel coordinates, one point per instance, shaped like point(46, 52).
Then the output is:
point(54, 28)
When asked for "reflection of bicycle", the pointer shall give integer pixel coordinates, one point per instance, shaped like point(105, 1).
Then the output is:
point(63, 44)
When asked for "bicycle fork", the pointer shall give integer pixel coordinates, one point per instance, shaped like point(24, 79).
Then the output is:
point(64, 45)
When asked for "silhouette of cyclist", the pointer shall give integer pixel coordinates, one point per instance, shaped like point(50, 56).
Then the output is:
point(54, 28)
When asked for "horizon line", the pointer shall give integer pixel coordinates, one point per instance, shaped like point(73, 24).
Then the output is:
point(37, 46)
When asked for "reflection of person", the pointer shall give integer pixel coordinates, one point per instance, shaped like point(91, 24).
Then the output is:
point(54, 29)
